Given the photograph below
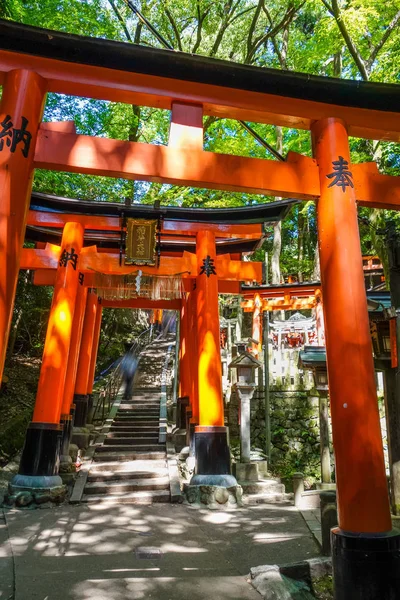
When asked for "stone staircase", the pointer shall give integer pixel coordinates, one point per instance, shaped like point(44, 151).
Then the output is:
point(130, 463)
point(265, 491)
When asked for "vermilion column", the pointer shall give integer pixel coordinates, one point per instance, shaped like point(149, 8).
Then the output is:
point(362, 562)
point(184, 365)
point(193, 356)
point(319, 318)
point(85, 355)
point(69, 387)
point(21, 110)
point(355, 418)
point(211, 437)
point(95, 349)
point(41, 452)
point(257, 328)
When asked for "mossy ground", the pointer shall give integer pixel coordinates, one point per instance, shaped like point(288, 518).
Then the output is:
point(323, 588)
point(17, 398)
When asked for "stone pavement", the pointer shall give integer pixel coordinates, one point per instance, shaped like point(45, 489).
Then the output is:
point(312, 517)
point(160, 552)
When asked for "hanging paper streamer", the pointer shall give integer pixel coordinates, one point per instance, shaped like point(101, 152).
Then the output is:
point(138, 285)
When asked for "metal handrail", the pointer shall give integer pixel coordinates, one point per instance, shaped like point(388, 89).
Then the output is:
point(113, 378)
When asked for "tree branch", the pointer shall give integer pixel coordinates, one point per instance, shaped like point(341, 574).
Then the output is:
point(174, 27)
point(121, 20)
point(378, 47)
point(349, 42)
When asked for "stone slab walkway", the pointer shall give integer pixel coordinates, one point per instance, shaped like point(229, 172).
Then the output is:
point(162, 552)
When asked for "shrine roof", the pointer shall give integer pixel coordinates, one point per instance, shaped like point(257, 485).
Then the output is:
point(120, 56)
point(258, 213)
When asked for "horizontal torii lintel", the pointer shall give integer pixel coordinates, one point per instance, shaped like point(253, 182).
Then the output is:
point(246, 231)
point(143, 303)
point(374, 189)
point(108, 263)
point(73, 153)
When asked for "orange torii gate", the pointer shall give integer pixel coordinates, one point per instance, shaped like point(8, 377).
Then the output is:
point(34, 62)
point(299, 296)
point(48, 219)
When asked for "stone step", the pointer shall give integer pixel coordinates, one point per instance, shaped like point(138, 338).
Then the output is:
point(139, 412)
point(138, 465)
point(145, 497)
point(137, 421)
point(128, 485)
point(265, 486)
point(124, 432)
point(127, 455)
point(131, 447)
point(254, 499)
point(141, 440)
point(118, 475)
point(139, 404)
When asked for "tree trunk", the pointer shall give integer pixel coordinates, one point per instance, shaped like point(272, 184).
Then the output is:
point(301, 224)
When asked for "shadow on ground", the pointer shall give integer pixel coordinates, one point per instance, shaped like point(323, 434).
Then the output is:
point(160, 552)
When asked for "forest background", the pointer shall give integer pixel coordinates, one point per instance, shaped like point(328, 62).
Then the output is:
point(349, 39)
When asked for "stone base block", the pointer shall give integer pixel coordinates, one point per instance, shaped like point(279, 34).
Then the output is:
point(179, 439)
point(245, 471)
point(213, 496)
point(73, 452)
point(326, 486)
point(262, 466)
point(81, 437)
point(34, 491)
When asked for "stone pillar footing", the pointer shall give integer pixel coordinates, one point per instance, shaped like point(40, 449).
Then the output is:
point(26, 491)
point(214, 495)
point(81, 437)
point(366, 566)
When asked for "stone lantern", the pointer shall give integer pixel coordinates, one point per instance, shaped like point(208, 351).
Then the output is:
point(245, 365)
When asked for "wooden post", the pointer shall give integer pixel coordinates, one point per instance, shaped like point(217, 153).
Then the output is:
point(67, 408)
point(256, 330)
point(319, 318)
point(21, 110)
point(362, 493)
point(93, 358)
point(40, 456)
point(95, 345)
point(184, 363)
point(211, 437)
point(85, 354)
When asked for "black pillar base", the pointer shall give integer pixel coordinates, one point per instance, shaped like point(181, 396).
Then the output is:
point(366, 566)
point(90, 408)
point(66, 422)
point(191, 438)
point(213, 459)
point(41, 453)
point(37, 481)
point(81, 409)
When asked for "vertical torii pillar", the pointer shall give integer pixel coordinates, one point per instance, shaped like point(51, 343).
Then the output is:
point(213, 466)
point(257, 325)
point(40, 456)
point(21, 110)
point(365, 551)
point(85, 354)
point(184, 365)
point(93, 358)
point(68, 408)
